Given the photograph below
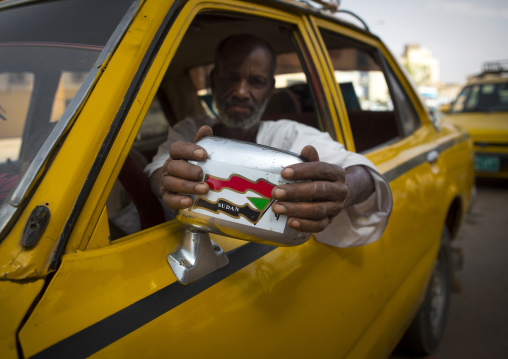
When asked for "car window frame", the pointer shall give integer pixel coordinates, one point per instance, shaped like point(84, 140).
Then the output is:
point(387, 63)
point(169, 41)
point(394, 81)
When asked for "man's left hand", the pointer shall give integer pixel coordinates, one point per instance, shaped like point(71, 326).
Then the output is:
point(311, 204)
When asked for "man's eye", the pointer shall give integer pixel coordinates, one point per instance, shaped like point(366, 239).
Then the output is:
point(257, 81)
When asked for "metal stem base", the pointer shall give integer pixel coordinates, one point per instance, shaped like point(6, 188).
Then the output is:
point(198, 257)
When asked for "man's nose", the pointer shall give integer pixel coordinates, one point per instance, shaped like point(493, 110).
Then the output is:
point(241, 89)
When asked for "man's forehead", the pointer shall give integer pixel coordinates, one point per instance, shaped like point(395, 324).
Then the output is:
point(254, 56)
point(243, 43)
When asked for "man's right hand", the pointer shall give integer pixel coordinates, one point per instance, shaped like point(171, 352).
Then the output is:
point(179, 178)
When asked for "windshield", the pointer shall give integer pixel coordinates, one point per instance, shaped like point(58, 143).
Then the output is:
point(491, 97)
point(47, 49)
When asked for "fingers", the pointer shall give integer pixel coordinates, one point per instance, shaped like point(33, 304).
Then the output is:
point(309, 226)
point(321, 181)
point(310, 153)
point(319, 196)
point(316, 171)
point(311, 214)
point(183, 169)
point(176, 201)
point(309, 210)
point(180, 185)
point(187, 151)
point(204, 131)
point(308, 217)
point(180, 178)
point(311, 191)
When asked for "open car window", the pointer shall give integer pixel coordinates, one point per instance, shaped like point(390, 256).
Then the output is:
point(291, 99)
point(377, 107)
point(185, 91)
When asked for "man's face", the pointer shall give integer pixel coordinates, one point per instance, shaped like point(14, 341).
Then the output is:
point(242, 83)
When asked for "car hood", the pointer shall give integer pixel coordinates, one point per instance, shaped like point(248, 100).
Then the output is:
point(483, 127)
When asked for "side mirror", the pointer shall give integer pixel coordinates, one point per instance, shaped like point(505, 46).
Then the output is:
point(241, 177)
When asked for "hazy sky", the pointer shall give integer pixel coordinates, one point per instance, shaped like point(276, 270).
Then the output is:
point(461, 34)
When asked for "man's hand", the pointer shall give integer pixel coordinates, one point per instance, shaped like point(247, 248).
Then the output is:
point(178, 176)
point(326, 189)
point(310, 205)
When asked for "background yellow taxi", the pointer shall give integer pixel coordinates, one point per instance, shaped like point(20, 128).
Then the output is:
point(88, 90)
point(482, 108)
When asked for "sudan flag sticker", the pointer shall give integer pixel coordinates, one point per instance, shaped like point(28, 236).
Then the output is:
point(246, 198)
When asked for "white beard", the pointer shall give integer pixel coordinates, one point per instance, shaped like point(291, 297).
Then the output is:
point(244, 123)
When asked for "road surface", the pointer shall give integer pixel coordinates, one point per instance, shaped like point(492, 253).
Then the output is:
point(478, 321)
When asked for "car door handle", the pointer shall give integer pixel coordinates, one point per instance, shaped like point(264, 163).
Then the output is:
point(432, 156)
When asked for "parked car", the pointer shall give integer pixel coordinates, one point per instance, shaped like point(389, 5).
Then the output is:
point(482, 109)
point(88, 90)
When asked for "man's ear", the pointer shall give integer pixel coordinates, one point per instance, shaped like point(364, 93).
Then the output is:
point(273, 85)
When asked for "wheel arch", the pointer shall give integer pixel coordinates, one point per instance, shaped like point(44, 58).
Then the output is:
point(454, 216)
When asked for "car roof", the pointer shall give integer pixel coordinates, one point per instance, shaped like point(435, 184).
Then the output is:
point(209, 28)
point(326, 9)
point(489, 79)
point(492, 72)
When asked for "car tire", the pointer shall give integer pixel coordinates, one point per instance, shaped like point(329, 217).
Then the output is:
point(426, 331)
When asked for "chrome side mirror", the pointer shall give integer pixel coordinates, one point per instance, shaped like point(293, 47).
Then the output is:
point(241, 177)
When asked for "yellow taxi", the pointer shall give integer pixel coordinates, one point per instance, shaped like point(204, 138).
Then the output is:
point(482, 109)
point(89, 89)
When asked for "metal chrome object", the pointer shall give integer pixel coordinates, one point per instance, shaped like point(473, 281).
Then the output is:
point(328, 5)
point(198, 257)
point(432, 156)
point(355, 16)
point(241, 177)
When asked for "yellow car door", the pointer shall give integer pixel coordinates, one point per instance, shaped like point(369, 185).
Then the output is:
point(388, 124)
point(114, 297)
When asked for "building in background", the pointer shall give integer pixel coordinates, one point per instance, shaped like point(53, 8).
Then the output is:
point(425, 72)
point(421, 65)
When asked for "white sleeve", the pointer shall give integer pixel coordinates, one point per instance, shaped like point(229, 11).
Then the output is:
point(364, 222)
point(183, 131)
point(357, 225)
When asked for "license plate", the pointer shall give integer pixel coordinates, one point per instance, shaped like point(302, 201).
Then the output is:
point(486, 163)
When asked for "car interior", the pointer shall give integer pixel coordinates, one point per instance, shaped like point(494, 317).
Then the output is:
point(185, 92)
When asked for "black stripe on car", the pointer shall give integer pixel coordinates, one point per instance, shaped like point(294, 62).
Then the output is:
point(107, 331)
point(118, 325)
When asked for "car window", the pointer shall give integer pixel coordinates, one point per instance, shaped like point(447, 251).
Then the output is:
point(185, 91)
point(42, 66)
point(377, 107)
point(487, 97)
point(291, 99)
point(404, 108)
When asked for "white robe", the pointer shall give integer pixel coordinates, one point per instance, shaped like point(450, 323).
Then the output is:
point(357, 225)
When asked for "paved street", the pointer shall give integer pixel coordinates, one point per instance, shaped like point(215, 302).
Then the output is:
point(478, 321)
